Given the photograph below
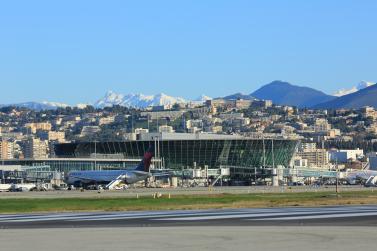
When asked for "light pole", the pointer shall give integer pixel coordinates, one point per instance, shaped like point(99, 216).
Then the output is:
point(95, 154)
point(337, 176)
point(255, 175)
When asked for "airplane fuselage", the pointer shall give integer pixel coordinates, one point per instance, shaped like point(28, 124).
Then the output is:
point(111, 177)
point(105, 177)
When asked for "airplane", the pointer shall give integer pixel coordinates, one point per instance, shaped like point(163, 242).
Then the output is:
point(111, 178)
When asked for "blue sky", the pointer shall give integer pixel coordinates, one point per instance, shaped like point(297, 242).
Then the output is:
point(74, 51)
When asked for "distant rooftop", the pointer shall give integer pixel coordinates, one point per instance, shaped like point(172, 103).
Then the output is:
point(204, 136)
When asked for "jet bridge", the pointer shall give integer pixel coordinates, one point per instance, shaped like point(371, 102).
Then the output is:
point(308, 173)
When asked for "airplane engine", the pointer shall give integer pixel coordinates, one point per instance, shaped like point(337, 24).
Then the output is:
point(130, 178)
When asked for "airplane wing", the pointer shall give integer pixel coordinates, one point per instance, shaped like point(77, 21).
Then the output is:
point(161, 174)
point(81, 178)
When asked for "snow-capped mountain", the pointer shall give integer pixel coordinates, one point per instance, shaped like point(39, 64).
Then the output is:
point(202, 98)
point(54, 104)
point(111, 98)
point(137, 100)
point(82, 106)
point(358, 87)
point(45, 105)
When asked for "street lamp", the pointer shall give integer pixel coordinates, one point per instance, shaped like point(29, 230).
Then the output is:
point(337, 175)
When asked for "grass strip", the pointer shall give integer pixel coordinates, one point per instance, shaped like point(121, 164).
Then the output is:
point(15, 205)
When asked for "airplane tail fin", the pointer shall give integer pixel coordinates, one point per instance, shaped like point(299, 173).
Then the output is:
point(146, 162)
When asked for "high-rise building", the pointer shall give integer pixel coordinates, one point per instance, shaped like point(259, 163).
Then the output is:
point(315, 157)
point(35, 149)
point(6, 149)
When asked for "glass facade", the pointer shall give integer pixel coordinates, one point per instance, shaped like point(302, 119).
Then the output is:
point(241, 155)
point(67, 165)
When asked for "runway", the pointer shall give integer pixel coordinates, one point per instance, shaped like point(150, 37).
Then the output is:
point(191, 238)
point(317, 228)
point(293, 216)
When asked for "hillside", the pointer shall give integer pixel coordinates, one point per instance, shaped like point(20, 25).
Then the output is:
point(363, 97)
point(284, 93)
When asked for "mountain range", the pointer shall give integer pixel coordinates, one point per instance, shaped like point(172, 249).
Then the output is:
point(358, 87)
point(37, 106)
point(284, 93)
point(358, 99)
point(280, 92)
point(239, 96)
point(111, 98)
point(143, 101)
point(137, 100)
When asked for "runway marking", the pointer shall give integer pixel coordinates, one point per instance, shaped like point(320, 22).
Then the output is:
point(312, 212)
point(175, 216)
point(111, 216)
point(115, 216)
point(219, 217)
point(324, 216)
point(200, 215)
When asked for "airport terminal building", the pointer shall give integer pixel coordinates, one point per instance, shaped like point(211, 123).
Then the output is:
point(186, 151)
